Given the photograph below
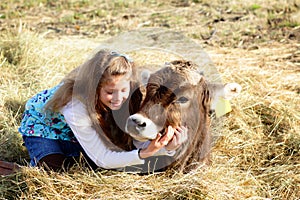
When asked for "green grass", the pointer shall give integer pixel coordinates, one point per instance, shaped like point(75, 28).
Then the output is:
point(255, 7)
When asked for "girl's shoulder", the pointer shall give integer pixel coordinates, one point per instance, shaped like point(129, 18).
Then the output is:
point(41, 98)
point(76, 113)
point(75, 105)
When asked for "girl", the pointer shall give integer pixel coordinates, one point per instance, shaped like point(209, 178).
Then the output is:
point(84, 113)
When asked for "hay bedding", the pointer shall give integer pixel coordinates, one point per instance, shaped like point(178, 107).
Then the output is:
point(257, 150)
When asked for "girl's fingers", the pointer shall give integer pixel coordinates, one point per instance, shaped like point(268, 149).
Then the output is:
point(158, 136)
point(181, 134)
point(170, 133)
point(164, 140)
point(173, 137)
point(184, 129)
point(181, 129)
point(158, 142)
point(157, 139)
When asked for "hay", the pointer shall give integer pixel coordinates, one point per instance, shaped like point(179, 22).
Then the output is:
point(256, 154)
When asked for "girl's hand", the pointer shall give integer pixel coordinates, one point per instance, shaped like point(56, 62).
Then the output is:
point(158, 143)
point(180, 136)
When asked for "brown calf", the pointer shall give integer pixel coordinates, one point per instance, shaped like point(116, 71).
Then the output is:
point(179, 95)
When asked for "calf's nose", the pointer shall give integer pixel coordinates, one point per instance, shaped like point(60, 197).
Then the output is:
point(138, 121)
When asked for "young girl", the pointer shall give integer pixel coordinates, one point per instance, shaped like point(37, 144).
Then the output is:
point(85, 114)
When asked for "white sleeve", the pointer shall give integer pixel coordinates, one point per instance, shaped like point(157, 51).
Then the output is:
point(161, 152)
point(77, 118)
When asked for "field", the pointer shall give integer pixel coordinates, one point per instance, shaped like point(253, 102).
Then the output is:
point(255, 43)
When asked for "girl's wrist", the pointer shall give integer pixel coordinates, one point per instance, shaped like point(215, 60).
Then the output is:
point(144, 154)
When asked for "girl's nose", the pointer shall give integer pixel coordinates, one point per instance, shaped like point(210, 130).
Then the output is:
point(117, 96)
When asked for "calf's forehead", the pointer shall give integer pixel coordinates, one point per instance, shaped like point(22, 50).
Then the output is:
point(175, 77)
point(187, 90)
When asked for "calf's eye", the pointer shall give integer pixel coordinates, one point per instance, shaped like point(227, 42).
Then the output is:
point(182, 100)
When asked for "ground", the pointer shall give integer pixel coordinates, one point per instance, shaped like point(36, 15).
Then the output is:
point(254, 43)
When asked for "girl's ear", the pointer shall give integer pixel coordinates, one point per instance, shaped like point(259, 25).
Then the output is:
point(232, 90)
point(145, 75)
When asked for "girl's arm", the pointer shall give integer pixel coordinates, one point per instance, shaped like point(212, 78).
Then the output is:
point(157, 144)
point(162, 152)
point(78, 119)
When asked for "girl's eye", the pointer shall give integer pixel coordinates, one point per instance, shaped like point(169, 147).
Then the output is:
point(182, 100)
point(109, 92)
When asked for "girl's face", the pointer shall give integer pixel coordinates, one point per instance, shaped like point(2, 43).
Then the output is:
point(115, 92)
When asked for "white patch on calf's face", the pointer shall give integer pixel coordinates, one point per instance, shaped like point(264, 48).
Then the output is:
point(141, 128)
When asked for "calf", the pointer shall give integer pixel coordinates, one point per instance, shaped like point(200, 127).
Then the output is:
point(179, 95)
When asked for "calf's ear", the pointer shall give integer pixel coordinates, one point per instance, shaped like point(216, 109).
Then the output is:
point(221, 103)
point(231, 90)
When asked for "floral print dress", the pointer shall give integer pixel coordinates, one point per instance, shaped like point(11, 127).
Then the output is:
point(44, 123)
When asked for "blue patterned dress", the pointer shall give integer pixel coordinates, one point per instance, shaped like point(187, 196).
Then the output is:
point(40, 123)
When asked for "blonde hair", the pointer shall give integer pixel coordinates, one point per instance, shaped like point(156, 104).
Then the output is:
point(84, 83)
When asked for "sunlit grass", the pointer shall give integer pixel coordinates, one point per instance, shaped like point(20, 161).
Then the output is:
point(257, 151)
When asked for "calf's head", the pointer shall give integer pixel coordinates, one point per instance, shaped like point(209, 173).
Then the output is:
point(176, 95)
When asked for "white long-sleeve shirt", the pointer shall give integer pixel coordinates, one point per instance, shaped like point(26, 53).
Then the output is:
point(77, 118)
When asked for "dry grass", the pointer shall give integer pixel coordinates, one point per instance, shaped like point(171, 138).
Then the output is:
point(257, 151)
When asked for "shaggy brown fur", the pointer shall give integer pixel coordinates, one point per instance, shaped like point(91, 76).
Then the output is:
point(179, 95)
